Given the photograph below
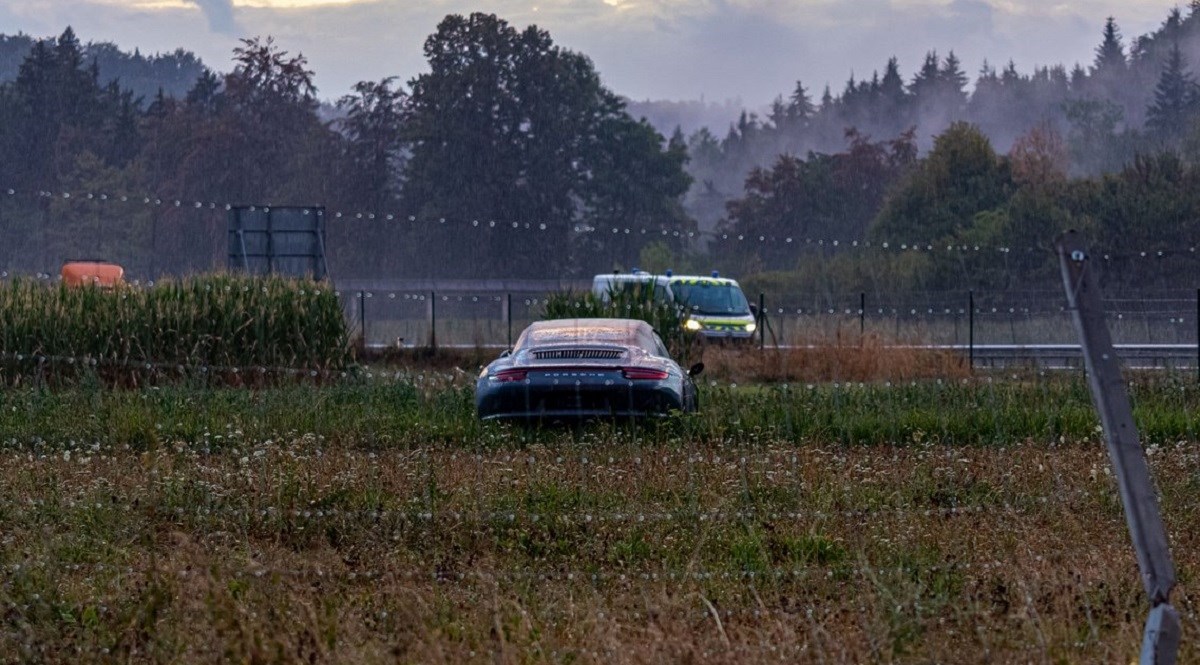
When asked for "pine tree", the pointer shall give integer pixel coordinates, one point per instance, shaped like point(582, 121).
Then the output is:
point(1175, 100)
point(1110, 55)
point(1079, 76)
point(54, 92)
point(1010, 76)
point(68, 50)
point(926, 79)
point(1173, 24)
point(778, 114)
point(891, 87)
point(800, 106)
point(161, 106)
point(203, 95)
point(851, 89)
point(988, 90)
point(953, 77)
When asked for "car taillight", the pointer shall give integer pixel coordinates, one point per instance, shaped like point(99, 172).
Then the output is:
point(643, 374)
point(509, 375)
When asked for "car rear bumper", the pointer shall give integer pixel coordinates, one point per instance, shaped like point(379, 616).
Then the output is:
point(521, 401)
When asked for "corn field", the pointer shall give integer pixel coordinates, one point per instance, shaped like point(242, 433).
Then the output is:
point(212, 320)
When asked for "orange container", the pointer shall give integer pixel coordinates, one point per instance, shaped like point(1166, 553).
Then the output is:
point(79, 273)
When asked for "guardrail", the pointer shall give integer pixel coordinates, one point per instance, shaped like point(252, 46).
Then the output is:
point(1164, 356)
point(1047, 356)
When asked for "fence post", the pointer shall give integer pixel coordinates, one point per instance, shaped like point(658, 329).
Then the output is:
point(45, 217)
point(433, 320)
point(971, 328)
point(762, 321)
point(362, 317)
point(1138, 496)
point(508, 316)
point(862, 316)
point(1197, 335)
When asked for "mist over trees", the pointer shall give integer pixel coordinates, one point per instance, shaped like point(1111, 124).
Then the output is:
point(511, 158)
point(1109, 110)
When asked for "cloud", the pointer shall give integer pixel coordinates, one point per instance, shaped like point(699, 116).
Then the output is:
point(659, 49)
point(219, 14)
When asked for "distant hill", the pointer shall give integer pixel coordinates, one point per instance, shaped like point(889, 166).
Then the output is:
point(174, 72)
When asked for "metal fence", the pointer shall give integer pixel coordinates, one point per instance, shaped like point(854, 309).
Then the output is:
point(1157, 328)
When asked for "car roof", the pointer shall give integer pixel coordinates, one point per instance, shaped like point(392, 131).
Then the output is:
point(595, 331)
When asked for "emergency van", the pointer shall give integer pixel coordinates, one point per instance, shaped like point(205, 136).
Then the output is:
point(716, 307)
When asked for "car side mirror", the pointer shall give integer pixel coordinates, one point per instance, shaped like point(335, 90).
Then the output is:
point(506, 353)
point(754, 310)
point(696, 369)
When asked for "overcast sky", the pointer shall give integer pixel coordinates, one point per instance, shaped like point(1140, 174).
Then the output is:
point(749, 50)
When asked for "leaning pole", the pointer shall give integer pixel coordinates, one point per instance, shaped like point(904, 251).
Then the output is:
point(1160, 642)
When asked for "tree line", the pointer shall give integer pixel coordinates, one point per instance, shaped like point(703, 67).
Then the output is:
point(1136, 97)
point(963, 216)
point(509, 157)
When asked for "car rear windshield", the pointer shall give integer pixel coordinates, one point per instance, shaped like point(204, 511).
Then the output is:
point(591, 334)
point(712, 298)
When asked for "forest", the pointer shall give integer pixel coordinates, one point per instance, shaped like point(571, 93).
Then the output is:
point(510, 157)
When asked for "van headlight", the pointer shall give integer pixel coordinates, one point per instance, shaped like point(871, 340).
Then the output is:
point(751, 327)
point(693, 325)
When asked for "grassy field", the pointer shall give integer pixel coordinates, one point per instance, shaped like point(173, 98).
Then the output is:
point(907, 519)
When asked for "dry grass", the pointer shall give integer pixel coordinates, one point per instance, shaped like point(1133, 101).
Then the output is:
point(875, 358)
point(834, 358)
point(287, 550)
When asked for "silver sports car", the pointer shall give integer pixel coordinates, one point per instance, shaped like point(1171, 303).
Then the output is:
point(585, 368)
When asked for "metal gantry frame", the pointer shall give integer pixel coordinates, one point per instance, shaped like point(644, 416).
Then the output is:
point(267, 240)
point(1160, 643)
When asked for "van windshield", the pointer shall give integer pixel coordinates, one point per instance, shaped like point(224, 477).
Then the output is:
point(712, 299)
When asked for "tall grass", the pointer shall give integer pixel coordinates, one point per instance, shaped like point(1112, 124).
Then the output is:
point(215, 320)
